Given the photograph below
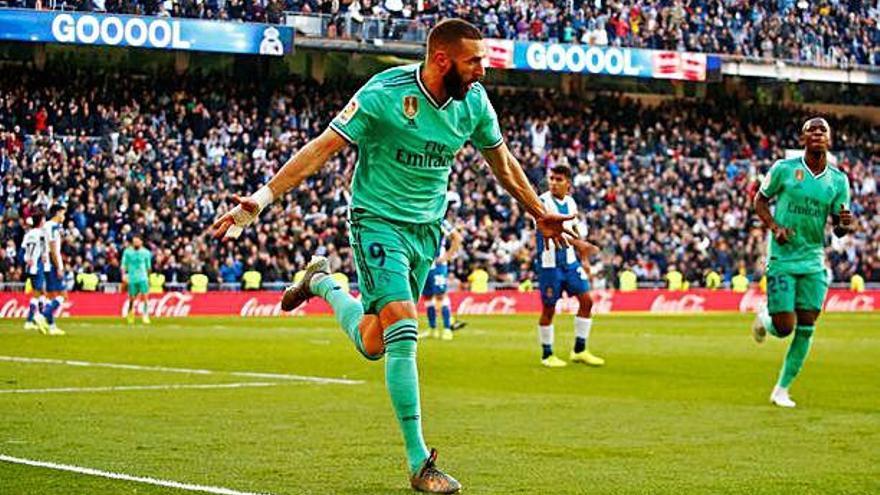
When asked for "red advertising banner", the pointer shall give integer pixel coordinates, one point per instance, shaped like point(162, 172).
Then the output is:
point(500, 53)
point(680, 65)
point(264, 303)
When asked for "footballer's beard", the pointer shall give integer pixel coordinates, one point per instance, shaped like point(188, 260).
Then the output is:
point(454, 83)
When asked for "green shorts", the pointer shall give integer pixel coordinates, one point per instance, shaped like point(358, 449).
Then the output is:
point(137, 287)
point(786, 292)
point(392, 258)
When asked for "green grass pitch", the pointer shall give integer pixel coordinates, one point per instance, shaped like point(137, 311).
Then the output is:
point(681, 407)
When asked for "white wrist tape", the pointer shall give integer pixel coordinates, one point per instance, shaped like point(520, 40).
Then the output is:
point(263, 197)
point(242, 218)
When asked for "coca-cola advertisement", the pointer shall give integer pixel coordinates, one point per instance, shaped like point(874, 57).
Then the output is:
point(265, 303)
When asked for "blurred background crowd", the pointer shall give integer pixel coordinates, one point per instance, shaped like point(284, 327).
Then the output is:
point(825, 32)
point(661, 186)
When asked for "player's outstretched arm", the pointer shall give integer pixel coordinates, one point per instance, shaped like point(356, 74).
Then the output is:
point(305, 162)
point(762, 209)
point(509, 172)
point(585, 249)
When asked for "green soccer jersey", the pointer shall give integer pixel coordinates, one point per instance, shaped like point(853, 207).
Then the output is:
point(137, 263)
point(803, 203)
point(407, 142)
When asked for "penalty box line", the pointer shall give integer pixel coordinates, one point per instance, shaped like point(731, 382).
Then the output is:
point(165, 369)
point(125, 477)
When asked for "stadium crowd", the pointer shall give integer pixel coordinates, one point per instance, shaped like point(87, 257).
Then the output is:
point(661, 186)
point(826, 32)
point(268, 11)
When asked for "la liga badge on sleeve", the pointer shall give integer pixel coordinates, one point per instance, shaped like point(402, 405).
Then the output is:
point(348, 112)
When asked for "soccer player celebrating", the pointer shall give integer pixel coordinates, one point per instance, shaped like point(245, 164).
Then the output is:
point(564, 270)
point(407, 122)
point(436, 283)
point(807, 190)
point(54, 272)
point(35, 262)
point(137, 261)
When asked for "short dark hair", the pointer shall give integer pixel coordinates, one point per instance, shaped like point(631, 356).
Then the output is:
point(562, 170)
point(37, 216)
point(450, 31)
point(55, 209)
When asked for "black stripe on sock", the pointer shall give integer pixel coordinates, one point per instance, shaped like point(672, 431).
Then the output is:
point(400, 331)
point(413, 338)
point(410, 326)
point(389, 338)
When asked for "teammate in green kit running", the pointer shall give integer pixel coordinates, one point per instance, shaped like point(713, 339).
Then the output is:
point(807, 190)
point(136, 264)
point(408, 123)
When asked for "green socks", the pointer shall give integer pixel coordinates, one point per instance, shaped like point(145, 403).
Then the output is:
point(402, 380)
point(796, 355)
point(767, 321)
point(348, 310)
point(401, 372)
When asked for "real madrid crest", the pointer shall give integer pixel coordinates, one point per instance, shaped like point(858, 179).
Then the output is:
point(410, 107)
point(799, 174)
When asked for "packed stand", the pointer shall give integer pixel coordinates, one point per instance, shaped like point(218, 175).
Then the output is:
point(662, 186)
point(825, 33)
point(266, 11)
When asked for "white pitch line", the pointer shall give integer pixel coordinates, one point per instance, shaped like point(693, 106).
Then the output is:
point(165, 369)
point(68, 362)
point(125, 477)
point(302, 378)
point(125, 388)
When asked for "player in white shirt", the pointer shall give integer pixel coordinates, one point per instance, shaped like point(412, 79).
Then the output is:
point(55, 272)
point(564, 270)
point(35, 262)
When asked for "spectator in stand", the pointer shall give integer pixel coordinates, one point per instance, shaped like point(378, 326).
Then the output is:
point(820, 33)
point(230, 272)
point(661, 185)
point(824, 33)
